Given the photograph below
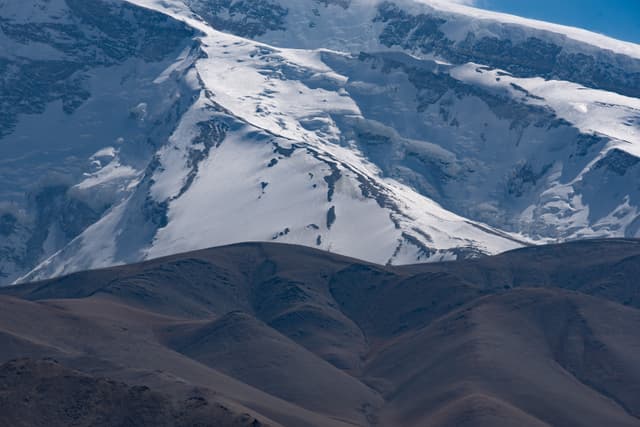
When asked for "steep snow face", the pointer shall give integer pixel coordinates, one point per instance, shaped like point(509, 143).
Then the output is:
point(259, 157)
point(500, 119)
point(76, 77)
point(396, 132)
point(434, 28)
point(512, 152)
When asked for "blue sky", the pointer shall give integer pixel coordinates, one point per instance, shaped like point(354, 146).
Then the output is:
point(616, 18)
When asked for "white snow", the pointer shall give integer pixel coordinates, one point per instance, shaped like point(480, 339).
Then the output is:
point(577, 34)
point(281, 89)
point(590, 110)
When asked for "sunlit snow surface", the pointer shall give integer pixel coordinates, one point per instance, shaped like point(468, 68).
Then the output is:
point(322, 135)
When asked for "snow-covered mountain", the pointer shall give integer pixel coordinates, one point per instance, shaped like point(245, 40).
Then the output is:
point(396, 132)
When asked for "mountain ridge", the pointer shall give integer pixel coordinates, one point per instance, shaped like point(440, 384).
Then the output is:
point(265, 327)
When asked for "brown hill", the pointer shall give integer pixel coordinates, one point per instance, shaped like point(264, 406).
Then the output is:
point(43, 393)
point(296, 337)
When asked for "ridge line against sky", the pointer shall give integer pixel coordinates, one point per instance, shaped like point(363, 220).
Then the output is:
point(615, 18)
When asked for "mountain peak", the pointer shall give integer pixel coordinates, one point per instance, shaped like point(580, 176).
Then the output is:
point(398, 132)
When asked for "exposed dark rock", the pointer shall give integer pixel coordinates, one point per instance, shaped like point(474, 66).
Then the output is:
point(246, 18)
point(523, 177)
point(617, 161)
point(7, 224)
point(331, 216)
point(212, 134)
point(332, 179)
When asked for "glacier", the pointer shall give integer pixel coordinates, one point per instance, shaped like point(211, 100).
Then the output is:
point(395, 132)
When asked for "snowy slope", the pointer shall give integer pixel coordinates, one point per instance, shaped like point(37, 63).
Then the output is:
point(394, 132)
point(76, 76)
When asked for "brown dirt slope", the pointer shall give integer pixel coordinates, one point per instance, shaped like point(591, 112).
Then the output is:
point(283, 335)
